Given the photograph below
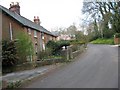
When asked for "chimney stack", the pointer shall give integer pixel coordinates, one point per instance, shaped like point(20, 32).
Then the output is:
point(14, 7)
point(37, 20)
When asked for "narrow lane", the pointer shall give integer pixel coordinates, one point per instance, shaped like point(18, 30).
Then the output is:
point(96, 68)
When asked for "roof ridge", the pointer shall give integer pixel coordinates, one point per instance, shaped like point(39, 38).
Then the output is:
point(24, 21)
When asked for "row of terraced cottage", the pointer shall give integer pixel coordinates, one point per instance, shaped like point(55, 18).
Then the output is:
point(13, 23)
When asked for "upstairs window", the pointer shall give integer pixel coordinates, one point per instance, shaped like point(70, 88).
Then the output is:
point(42, 35)
point(51, 38)
point(35, 33)
point(29, 31)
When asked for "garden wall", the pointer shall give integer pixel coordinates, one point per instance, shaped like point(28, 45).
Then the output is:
point(32, 65)
point(72, 51)
point(67, 54)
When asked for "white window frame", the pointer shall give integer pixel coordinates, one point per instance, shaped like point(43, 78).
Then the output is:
point(42, 36)
point(43, 46)
point(35, 33)
point(51, 38)
point(29, 31)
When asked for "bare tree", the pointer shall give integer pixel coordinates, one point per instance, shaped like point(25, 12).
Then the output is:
point(105, 12)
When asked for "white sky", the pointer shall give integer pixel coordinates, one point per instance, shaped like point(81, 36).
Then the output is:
point(52, 13)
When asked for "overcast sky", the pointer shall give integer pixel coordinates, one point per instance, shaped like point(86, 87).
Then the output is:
point(52, 13)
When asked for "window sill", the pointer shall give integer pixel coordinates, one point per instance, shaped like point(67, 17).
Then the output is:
point(35, 43)
point(35, 36)
point(29, 33)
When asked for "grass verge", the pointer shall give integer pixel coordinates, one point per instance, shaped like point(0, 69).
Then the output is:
point(103, 41)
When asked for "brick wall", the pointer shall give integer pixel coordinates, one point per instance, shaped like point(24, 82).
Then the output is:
point(17, 27)
point(116, 40)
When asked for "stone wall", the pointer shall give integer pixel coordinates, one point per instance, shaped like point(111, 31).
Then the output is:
point(32, 65)
point(66, 55)
point(69, 53)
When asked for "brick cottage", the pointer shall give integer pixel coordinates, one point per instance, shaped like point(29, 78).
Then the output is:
point(13, 23)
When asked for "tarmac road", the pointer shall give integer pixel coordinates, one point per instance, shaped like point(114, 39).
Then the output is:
point(96, 68)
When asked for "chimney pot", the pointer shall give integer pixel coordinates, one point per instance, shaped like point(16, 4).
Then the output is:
point(37, 17)
point(36, 20)
point(14, 7)
point(12, 3)
point(17, 3)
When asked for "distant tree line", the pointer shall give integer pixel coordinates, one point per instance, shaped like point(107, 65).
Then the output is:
point(103, 18)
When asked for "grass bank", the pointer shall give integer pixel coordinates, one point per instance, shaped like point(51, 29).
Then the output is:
point(103, 41)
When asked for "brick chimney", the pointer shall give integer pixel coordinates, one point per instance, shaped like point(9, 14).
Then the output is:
point(37, 20)
point(14, 7)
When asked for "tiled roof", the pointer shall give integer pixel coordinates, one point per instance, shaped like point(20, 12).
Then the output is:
point(24, 21)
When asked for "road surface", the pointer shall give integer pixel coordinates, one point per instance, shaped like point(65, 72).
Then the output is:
point(95, 68)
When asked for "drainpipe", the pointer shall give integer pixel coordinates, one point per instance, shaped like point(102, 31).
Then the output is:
point(11, 34)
